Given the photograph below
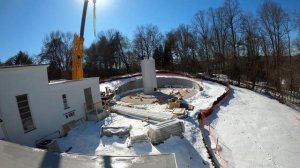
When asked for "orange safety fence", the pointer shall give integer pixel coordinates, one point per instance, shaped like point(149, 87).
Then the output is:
point(220, 151)
point(218, 148)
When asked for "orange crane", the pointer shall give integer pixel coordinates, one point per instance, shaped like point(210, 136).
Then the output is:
point(77, 53)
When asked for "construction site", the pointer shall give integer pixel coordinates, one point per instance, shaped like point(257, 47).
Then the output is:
point(152, 118)
point(177, 121)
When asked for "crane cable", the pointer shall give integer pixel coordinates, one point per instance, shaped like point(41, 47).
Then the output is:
point(94, 17)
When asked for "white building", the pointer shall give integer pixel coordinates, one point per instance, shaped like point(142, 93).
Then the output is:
point(31, 108)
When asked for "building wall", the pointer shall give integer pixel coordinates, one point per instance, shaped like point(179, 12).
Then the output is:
point(45, 101)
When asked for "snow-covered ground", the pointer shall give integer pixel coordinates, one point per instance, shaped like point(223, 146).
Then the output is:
point(116, 83)
point(189, 150)
point(85, 139)
point(211, 91)
point(258, 131)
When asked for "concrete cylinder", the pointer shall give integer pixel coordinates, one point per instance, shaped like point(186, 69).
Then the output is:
point(149, 76)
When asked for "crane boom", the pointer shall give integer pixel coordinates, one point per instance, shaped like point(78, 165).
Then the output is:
point(83, 18)
point(77, 53)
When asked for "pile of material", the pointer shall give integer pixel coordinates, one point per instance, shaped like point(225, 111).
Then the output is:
point(158, 133)
point(111, 131)
point(137, 136)
point(181, 113)
point(174, 103)
point(152, 117)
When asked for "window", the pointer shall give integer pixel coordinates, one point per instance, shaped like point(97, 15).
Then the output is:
point(25, 113)
point(64, 97)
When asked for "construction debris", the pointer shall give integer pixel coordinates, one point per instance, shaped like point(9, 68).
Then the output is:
point(111, 131)
point(158, 133)
point(149, 116)
point(178, 111)
point(174, 103)
point(137, 137)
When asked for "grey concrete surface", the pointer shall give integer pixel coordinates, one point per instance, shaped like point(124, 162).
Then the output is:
point(161, 96)
point(17, 156)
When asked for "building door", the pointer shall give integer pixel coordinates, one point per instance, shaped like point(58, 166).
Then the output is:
point(88, 99)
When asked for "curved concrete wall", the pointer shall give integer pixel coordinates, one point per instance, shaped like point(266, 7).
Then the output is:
point(161, 82)
point(189, 83)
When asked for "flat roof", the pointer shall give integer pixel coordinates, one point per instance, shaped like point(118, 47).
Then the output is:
point(52, 82)
point(22, 66)
point(62, 81)
point(14, 155)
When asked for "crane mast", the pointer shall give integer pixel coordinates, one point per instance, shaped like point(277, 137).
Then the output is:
point(77, 53)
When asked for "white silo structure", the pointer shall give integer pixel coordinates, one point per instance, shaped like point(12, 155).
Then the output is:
point(149, 75)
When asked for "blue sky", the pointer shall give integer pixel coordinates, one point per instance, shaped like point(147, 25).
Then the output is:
point(25, 23)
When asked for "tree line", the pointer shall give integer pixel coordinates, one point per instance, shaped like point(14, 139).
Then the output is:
point(245, 46)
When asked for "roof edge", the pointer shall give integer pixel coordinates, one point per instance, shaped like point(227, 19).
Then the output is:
point(23, 66)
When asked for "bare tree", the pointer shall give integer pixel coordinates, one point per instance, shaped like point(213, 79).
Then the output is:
point(273, 19)
point(185, 48)
point(251, 42)
point(288, 28)
point(57, 51)
point(122, 45)
point(169, 51)
point(201, 28)
point(232, 13)
point(146, 39)
point(108, 55)
point(219, 37)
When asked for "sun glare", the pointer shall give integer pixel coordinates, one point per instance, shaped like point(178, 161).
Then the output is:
point(101, 3)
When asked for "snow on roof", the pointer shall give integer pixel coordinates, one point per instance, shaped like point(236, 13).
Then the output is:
point(61, 81)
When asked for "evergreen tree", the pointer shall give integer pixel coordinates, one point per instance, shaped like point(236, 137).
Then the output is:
point(20, 59)
point(167, 57)
point(158, 55)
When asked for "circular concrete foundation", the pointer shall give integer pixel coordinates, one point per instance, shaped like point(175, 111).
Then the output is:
point(168, 88)
point(161, 96)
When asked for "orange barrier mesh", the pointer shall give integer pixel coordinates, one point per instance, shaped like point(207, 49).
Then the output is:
point(216, 146)
point(219, 149)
